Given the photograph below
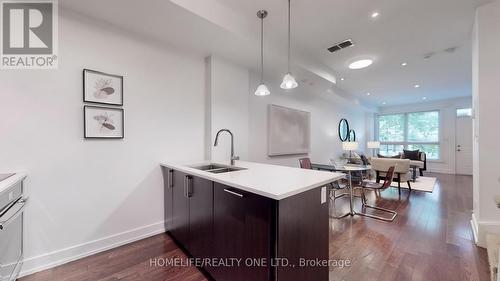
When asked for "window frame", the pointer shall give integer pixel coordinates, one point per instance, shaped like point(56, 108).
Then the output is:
point(406, 143)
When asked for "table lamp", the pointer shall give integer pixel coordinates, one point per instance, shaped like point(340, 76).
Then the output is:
point(373, 145)
point(350, 146)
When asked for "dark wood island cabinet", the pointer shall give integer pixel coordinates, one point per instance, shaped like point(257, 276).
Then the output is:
point(260, 238)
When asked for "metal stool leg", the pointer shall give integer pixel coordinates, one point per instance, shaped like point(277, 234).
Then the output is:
point(394, 213)
point(334, 197)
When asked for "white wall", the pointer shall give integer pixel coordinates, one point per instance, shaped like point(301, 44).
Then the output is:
point(326, 113)
point(447, 109)
point(91, 194)
point(486, 98)
point(227, 108)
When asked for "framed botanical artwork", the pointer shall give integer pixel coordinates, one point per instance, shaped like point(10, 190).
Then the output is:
point(103, 122)
point(102, 88)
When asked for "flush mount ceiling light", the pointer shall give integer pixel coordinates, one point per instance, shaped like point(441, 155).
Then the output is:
point(262, 89)
point(289, 81)
point(417, 86)
point(404, 64)
point(342, 79)
point(375, 15)
point(424, 98)
point(359, 64)
point(368, 94)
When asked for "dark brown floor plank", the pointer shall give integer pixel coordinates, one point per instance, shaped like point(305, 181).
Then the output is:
point(430, 240)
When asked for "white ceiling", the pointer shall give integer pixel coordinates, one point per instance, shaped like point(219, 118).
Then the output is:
point(405, 31)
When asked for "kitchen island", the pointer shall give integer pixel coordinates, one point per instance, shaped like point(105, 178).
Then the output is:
point(250, 221)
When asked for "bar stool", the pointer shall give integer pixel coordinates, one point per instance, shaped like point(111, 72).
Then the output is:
point(378, 187)
point(305, 163)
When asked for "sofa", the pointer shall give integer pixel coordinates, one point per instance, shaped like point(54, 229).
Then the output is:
point(401, 171)
point(419, 162)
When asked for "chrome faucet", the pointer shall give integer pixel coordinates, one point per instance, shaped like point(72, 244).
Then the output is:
point(232, 144)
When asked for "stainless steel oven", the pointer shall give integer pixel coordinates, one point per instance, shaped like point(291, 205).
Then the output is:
point(12, 204)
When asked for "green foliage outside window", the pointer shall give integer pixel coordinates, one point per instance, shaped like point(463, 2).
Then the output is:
point(412, 131)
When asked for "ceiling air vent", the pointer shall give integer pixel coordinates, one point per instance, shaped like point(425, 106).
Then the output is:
point(342, 45)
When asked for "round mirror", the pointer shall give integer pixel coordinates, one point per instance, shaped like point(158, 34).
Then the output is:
point(344, 130)
point(352, 135)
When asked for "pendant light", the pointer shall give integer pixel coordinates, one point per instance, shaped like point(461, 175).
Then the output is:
point(289, 81)
point(262, 89)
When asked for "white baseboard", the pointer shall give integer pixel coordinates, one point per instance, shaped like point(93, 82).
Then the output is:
point(45, 261)
point(481, 228)
point(440, 171)
point(475, 227)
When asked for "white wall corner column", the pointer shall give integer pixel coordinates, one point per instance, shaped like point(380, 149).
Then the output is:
point(486, 70)
point(226, 108)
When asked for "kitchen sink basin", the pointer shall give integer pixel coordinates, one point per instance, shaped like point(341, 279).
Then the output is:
point(217, 169)
point(208, 167)
point(225, 170)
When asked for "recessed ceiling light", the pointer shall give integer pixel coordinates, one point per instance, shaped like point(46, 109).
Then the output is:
point(375, 14)
point(424, 98)
point(368, 94)
point(404, 64)
point(342, 79)
point(383, 103)
point(359, 64)
point(417, 86)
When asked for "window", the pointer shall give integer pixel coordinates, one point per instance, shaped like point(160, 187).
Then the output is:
point(423, 126)
point(391, 149)
point(412, 131)
point(391, 128)
point(464, 112)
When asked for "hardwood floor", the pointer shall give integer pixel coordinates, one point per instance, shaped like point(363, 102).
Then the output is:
point(131, 262)
point(430, 240)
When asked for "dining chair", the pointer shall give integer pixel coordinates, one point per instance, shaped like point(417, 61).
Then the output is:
point(305, 163)
point(377, 187)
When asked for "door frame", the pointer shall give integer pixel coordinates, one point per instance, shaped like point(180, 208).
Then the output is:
point(455, 138)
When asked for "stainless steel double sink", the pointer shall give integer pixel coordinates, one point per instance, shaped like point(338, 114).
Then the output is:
point(217, 168)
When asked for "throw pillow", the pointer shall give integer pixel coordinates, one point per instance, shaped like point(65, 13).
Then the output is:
point(411, 154)
point(355, 159)
point(398, 156)
point(364, 159)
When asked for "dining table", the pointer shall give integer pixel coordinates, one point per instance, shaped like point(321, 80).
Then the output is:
point(348, 169)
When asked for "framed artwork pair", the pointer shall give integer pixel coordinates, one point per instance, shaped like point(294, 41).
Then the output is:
point(103, 122)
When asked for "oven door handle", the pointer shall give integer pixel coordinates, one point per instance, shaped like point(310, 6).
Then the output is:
point(16, 210)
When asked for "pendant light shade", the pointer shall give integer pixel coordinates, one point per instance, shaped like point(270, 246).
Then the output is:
point(289, 81)
point(262, 89)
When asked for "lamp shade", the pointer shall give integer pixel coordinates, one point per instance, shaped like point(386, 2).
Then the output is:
point(350, 145)
point(262, 90)
point(289, 82)
point(373, 144)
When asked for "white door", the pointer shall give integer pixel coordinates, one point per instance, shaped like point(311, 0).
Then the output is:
point(463, 142)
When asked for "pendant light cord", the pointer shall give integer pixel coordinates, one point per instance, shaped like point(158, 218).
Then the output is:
point(289, 35)
point(262, 50)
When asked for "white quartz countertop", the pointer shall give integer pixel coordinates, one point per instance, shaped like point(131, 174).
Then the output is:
point(272, 181)
point(10, 181)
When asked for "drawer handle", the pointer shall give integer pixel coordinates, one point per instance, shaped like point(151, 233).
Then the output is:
point(188, 186)
point(170, 178)
point(15, 212)
point(234, 193)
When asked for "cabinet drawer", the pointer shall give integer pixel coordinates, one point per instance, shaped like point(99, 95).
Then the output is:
point(11, 193)
point(242, 229)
